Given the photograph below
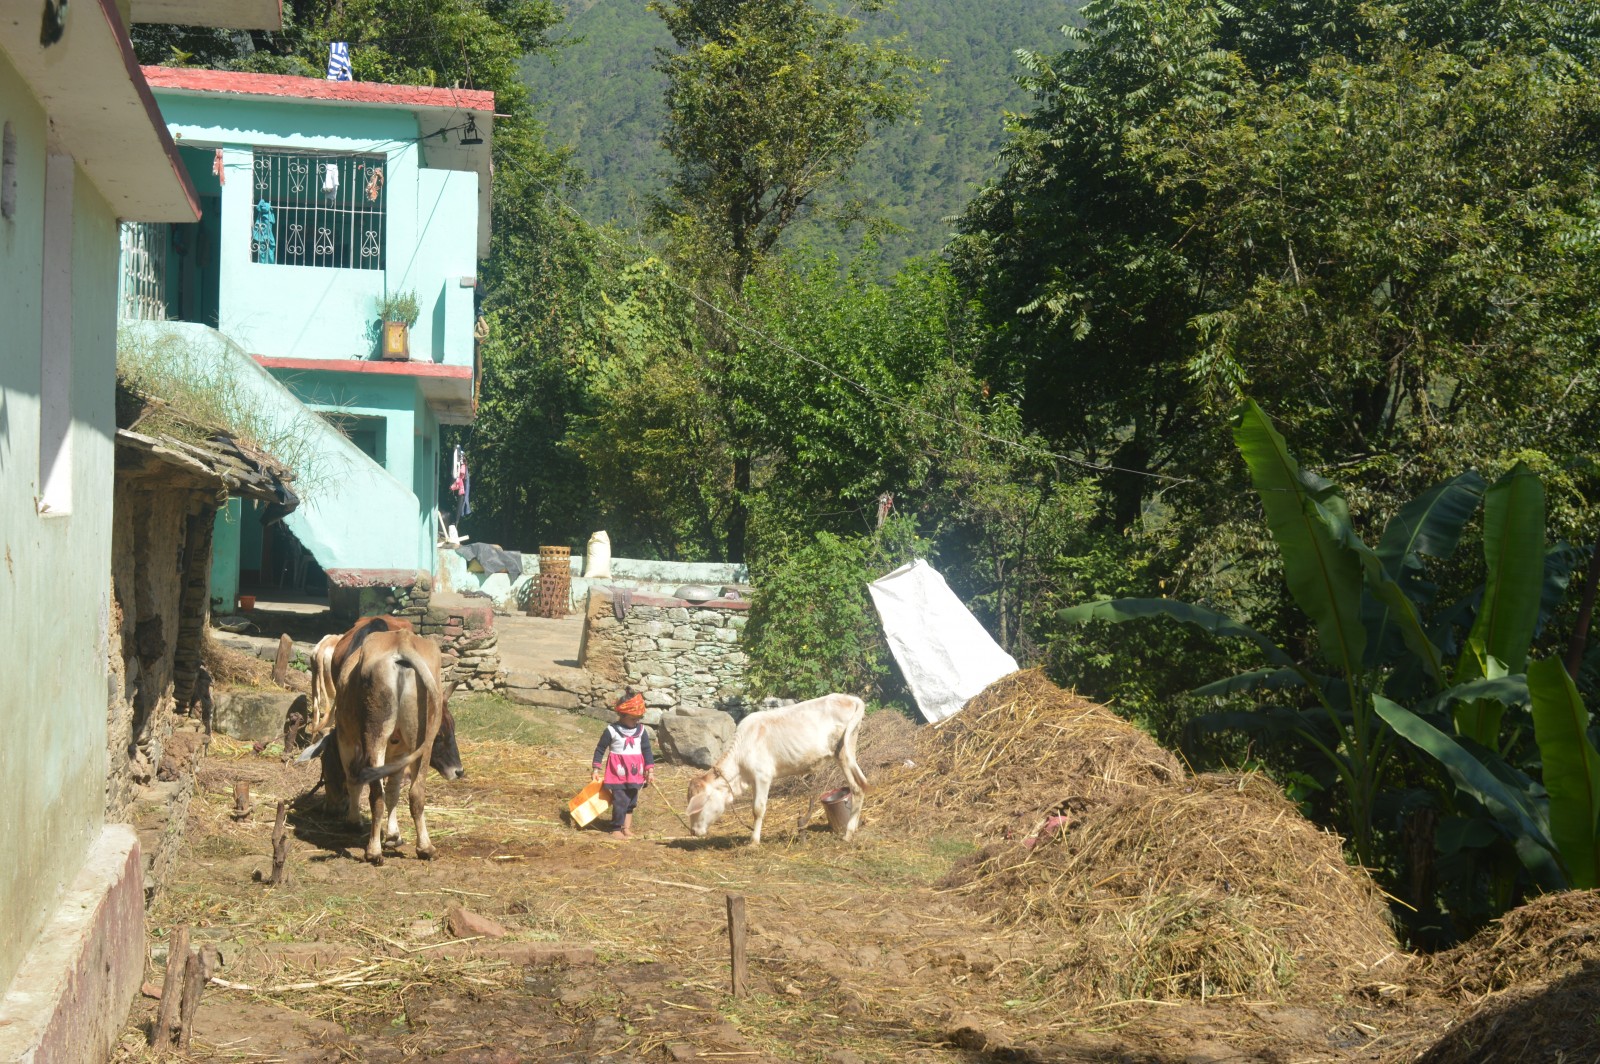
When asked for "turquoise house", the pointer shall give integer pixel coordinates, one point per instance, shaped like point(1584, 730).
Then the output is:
point(320, 201)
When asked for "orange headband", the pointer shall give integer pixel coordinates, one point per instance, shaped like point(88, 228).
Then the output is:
point(631, 707)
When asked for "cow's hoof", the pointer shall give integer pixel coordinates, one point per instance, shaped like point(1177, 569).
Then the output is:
point(392, 841)
point(376, 859)
point(426, 855)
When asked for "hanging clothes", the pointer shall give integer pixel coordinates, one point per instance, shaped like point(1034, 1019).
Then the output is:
point(330, 180)
point(461, 483)
point(264, 234)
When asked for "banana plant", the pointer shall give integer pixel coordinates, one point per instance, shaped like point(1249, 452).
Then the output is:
point(1368, 607)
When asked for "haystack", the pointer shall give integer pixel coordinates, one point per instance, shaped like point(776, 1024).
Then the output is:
point(1539, 967)
point(1552, 936)
point(1159, 885)
point(1207, 888)
point(1017, 753)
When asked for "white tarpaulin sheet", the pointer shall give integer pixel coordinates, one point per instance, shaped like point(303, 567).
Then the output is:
point(945, 655)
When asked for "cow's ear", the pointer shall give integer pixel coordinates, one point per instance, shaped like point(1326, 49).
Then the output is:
point(697, 803)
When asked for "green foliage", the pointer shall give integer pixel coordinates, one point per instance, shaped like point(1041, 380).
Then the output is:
point(1353, 596)
point(401, 307)
point(767, 104)
point(601, 95)
point(813, 628)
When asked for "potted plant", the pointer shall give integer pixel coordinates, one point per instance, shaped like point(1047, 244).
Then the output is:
point(398, 313)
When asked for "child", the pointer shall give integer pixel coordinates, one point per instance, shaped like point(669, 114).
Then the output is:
point(623, 762)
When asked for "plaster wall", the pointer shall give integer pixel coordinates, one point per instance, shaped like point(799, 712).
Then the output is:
point(54, 698)
point(319, 312)
point(353, 513)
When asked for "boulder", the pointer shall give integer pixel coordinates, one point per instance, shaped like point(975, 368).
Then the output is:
point(254, 715)
point(696, 740)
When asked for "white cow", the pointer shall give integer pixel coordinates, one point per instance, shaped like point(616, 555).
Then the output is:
point(775, 743)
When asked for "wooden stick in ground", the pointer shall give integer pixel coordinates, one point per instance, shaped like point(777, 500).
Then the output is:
point(241, 800)
point(280, 666)
point(280, 845)
point(736, 943)
point(171, 990)
point(196, 972)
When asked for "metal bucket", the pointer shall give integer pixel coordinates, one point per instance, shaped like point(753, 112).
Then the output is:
point(839, 807)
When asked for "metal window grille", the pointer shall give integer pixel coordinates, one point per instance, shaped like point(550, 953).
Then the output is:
point(142, 283)
point(318, 210)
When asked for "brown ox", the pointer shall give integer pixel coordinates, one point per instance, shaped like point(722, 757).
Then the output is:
point(328, 658)
point(387, 712)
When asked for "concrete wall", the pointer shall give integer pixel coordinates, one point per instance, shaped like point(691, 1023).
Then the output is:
point(430, 240)
point(54, 586)
point(353, 513)
point(656, 577)
point(225, 543)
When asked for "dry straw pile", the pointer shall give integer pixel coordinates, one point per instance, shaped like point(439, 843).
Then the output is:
point(1533, 979)
point(1159, 885)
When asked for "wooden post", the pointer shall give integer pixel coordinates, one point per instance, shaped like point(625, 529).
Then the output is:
point(171, 990)
point(280, 845)
point(736, 943)
point(280, 667)
point(196, 973)
point(241, 800)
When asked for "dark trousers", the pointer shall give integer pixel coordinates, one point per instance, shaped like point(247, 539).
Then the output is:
point(624, 796)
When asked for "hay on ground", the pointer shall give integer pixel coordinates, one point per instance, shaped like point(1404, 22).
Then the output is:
point(1552, 936)
point(233, 668)
point(1540, 1021)
point(1159, 885)
point(1209, 888)
point(1019, 751)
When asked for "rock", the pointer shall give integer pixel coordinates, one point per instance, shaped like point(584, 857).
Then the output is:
point(695, 740)
point(564, 700)
point(464, 923)
point(255, 715)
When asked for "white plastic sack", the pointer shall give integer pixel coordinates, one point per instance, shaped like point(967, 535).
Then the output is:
point(945, 655)
point(597, 564)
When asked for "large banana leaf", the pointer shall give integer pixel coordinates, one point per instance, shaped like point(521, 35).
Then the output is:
point(1479, 718)
point(1256, 679)
point(1429, 525)
point(1559, 562)
point(1517, 812)
point(1217, 624)
point(1513, 551)
point(1571, 768)
point(1311, 525)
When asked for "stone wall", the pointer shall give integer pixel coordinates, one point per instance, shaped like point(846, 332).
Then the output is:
point(463, 629)
point(685, 657)
point(160, 573)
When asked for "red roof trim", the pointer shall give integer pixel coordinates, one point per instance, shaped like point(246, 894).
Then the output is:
point(289, 87)
point(141, 88)
point(355, 365)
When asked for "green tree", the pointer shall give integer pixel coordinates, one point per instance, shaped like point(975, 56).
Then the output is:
point(768, 103)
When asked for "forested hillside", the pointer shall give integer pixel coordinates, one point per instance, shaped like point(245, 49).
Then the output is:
point(602, 96)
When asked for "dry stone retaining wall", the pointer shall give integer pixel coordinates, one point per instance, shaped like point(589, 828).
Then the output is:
point(465, 633)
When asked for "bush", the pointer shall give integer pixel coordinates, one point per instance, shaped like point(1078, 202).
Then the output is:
point(813, 628)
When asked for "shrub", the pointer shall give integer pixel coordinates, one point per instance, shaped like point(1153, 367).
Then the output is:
point(813, 628)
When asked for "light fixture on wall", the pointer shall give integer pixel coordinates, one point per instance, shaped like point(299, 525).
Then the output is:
point(469, 132)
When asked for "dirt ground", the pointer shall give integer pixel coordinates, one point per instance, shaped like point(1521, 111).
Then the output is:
point(619, 950)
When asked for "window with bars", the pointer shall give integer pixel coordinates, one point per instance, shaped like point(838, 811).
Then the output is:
point(317, 209)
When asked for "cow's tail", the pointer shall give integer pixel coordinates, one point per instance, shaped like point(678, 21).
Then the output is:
point(428, 684)
point(858, 779)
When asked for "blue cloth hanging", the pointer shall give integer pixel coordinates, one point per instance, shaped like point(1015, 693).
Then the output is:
point(264, 235)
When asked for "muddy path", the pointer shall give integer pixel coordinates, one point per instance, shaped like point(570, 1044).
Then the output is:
point(618, 950)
